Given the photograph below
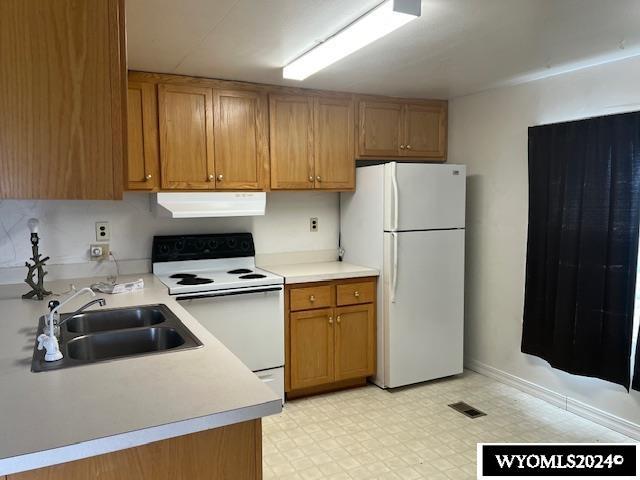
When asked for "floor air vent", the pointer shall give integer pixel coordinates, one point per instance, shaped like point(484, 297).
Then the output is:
point(467, 410)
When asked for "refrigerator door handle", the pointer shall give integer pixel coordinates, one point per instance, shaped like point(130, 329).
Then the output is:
point(394, 182)
point(394, 276)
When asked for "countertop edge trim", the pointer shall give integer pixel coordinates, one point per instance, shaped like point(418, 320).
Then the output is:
point(123, 441)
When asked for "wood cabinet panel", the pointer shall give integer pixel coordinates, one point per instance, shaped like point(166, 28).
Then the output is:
point(142, 172)
point(291, 131)
point(380, 128)
point(354, 342)
point(324, 352)
point(355, 293)
point(334, 143)
point(186, 137)
point(62, 98)
point(425, 131)
point(231, 452)
point(318, 296)
point(312, 348)
point(241, 142)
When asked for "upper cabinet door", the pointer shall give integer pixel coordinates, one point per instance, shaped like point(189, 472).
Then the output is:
point(291, 130)
point(380, 129)
point(186, 137)
point(334, 143)
point(62, 99)
point(241, 140)
point(425, 130)
point(142, 139)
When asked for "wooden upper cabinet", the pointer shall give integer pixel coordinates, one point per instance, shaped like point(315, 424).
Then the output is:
point(425, 131)
point(62, 99)
point(312, 348)
point(186, 137)
point(241, 139)
point(380, 128)
point(398, 129)
point(334, 143)
point(291, 131)
point(142, 171)
point(354, 342)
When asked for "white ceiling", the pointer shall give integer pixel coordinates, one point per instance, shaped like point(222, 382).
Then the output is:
point(457, 47)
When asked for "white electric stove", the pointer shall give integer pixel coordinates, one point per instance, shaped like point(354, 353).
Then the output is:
point(215, 279)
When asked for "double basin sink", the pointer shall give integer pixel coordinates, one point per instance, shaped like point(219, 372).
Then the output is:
point(108, 334)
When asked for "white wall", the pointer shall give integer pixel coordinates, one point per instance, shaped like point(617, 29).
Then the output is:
point(488, 132)
point(68, 227)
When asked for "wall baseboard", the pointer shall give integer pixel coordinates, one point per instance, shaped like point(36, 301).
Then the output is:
point(581, 409)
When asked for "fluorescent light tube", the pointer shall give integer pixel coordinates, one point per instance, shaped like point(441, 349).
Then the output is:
point(384, 19)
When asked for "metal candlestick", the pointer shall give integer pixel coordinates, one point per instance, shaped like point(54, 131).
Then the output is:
point(37, 287)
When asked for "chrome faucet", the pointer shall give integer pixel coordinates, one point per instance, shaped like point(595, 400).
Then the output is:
point(48, 339)
point(100, 301)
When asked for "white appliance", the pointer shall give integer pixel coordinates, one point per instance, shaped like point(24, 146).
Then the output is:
point(408, 220)
point(215, 279)
point(209, 204)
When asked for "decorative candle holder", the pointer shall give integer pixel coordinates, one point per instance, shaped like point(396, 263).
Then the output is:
point(36, 271)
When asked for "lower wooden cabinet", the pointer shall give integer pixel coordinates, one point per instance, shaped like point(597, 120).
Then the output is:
point(334, 346)
point(354, 337)
point(233, 452)
point(312, 348)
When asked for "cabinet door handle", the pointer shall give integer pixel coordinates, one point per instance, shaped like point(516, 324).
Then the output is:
point(356, 294)
point(211, 177)
point(338, 319)
point(311, 178)
point(408, 147)
point(330, 320)
point(220, 177)
point(312, 298)
point(147, 176)
point(401, 147)
point(318, 178)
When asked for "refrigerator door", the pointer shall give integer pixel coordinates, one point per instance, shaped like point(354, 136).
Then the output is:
point(423, 306)
point(419, 196)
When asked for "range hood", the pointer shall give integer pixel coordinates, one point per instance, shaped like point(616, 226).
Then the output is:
point(209, 204)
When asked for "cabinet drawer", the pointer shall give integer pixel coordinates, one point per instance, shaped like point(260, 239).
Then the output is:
point(355, 293)
point(310, 297)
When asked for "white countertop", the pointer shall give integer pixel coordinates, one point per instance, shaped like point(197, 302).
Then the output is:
point(59, 416)
point(320, 271)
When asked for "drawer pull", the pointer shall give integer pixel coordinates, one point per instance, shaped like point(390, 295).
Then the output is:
point(312, 298)
point(356, 294)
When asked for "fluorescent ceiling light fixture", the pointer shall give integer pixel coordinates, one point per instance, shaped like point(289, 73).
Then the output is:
point(385, 18)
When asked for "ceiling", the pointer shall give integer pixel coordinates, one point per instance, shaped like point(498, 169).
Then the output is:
point(455, 48)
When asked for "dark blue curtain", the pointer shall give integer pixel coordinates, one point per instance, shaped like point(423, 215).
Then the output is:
point(582, 248)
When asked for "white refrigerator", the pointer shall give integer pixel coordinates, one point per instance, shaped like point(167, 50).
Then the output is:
point(408, 220)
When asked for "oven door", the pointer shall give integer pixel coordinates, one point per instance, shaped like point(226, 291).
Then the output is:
point(249, 322)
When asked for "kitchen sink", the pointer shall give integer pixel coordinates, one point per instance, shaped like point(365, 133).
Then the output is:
point(118, 319)
point(111, 334)
point(123, 343)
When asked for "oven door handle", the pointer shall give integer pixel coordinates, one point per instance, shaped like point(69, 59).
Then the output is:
point(227, 294)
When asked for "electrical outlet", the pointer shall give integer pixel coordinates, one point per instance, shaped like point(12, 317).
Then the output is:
point(313, 224)
point(99, 251)
point(103, 232)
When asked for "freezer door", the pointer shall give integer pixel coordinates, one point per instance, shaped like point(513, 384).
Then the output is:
point(423, 306)
point(419, 196)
